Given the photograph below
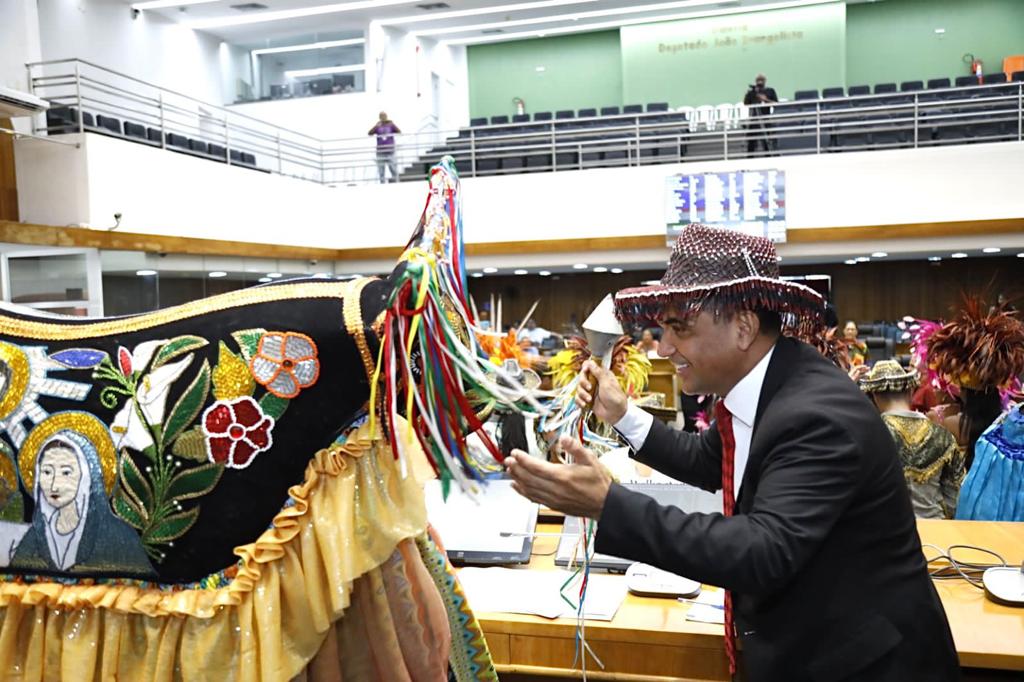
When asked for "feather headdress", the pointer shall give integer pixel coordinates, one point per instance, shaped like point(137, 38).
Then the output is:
point(979, 349)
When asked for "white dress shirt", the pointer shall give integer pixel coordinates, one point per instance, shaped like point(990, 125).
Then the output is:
point(741, 401)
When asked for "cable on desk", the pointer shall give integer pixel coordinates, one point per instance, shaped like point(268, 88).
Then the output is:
point(952, 568)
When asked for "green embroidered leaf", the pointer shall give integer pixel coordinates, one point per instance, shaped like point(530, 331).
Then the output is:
point(127, 511)
point(187, 408)
point(273, 406)
point(135, 483)
point(191, 445)
point(177, 346)
point(172, 527)
point(248, 340)
point(196, 482)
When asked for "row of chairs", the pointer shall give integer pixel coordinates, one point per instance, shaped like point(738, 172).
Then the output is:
point(62, 120)
point(934, 89)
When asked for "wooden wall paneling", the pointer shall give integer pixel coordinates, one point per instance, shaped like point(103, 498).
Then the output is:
point(8, 180)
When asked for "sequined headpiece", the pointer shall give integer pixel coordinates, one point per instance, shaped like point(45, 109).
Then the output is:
point(888, 377)
point(725, 271)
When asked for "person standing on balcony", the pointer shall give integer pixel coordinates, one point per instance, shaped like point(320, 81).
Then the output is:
point(759, 98)
point(385, 130)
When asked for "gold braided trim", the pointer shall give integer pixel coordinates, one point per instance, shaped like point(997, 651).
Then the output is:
point(920, 476)
point(57, 331)
point(365, 509)
point(354, 325)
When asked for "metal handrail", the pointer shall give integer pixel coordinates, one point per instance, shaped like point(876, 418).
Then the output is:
point(909, 119)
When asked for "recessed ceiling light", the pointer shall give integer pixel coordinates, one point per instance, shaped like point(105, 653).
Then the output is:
point(477, 275)
point(265, 280)
point(940, 31)
point(1020, 255)
point(310, 46)
point(324, 71)
point(540, 69)
point(862, 259)
point(522, 272)
point(263, 17)
point(616, 271)
point(879, 254)
point(959, 254)
point(850, 261)
point(323, 275)
point(490, 271)
point(580, 266)
point(600, 268)
point(991, 249)
point(273, 275)
point(145, 273)
point(218, 273)
point(935, 259)
point(545, 273)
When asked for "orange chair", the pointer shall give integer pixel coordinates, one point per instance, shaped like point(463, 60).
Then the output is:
point(1012, 64)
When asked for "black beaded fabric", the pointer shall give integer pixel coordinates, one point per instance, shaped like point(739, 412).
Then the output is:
point(724, 271)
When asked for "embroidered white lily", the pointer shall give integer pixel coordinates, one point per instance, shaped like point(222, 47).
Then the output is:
point(150, 396)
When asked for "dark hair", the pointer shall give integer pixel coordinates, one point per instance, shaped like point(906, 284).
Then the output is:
point(980, 409)
point(769, 321)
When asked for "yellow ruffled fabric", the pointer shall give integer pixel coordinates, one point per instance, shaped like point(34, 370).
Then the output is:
point(294, 582)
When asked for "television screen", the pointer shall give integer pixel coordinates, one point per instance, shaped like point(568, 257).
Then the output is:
point(749, 201)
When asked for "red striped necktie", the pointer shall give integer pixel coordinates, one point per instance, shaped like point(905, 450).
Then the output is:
point(723, 417)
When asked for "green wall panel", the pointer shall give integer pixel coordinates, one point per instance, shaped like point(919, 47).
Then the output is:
point(713, 60)
point(896, 40)
point(580, 70)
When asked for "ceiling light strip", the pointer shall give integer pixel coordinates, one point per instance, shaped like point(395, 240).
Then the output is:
point(160, 4)
point(324, 71)
point(593, 14)
point(280, 15)
point(310, 46)
point(493, 9)
point(582, 28)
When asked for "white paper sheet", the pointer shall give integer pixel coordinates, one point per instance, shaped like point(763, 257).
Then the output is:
point(475, 525)
point(509, 590)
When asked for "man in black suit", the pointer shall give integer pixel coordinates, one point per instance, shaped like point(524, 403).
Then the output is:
point(759, 98)
point(818, 544)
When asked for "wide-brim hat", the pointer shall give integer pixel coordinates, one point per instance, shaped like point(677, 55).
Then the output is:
point(887, 376)
point(727, 271)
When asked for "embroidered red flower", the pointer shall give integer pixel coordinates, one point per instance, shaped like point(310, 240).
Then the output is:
point(236, 431)
point(285, 363)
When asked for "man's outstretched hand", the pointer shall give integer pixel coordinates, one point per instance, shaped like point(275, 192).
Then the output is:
point(577, 489)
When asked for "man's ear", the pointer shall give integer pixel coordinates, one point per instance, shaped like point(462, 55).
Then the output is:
point(747, 329)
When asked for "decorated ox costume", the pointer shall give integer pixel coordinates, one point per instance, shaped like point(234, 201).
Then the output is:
point(207, 492)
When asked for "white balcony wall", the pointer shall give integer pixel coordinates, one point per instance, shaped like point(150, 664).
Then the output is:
point(167, 193)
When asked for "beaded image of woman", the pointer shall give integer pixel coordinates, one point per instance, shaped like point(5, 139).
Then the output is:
point(73, 529)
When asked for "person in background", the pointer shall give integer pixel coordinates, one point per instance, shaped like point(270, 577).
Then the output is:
point(858, 349)
point(484, 321)
point(534, 334)
point(759, 98)
point(994, 487)
point(933, 464)
point(385, 130)
point(648, 343)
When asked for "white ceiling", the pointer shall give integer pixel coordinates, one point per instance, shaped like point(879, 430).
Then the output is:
point(408, 15)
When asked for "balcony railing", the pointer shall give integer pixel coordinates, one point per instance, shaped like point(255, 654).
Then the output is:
point(108, 102)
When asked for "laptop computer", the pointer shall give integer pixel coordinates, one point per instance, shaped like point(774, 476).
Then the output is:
point(686, 497)
point(494, 529)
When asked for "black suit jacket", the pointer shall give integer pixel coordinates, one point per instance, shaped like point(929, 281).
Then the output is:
point(823, 555)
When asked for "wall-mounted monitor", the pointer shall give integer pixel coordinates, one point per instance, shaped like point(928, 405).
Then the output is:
point(751, 201)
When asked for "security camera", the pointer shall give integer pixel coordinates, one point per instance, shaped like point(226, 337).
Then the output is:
point(135, 14)
point(313, 261)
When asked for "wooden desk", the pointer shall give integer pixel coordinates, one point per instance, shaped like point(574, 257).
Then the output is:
point(650, 639)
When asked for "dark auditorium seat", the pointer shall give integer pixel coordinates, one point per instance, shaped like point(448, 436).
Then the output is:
point(885, 88)
point(177, 141)
point(657, 107)
point(805, 94)
point(858, 90)
point(965, 81)
point(478, 122)
point(236, 157)
point(63, 120)
point(499, 120)
point(217, 151)
point(135, 130)
point(198, 146)
point(1017, 76)
point(911, 86)
point(633, 109)
point(521, 118)
point(938, 83)
point(542, 116)
point(991, 78)
point(610, 111)
point(249, 159)
point(153, 135)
